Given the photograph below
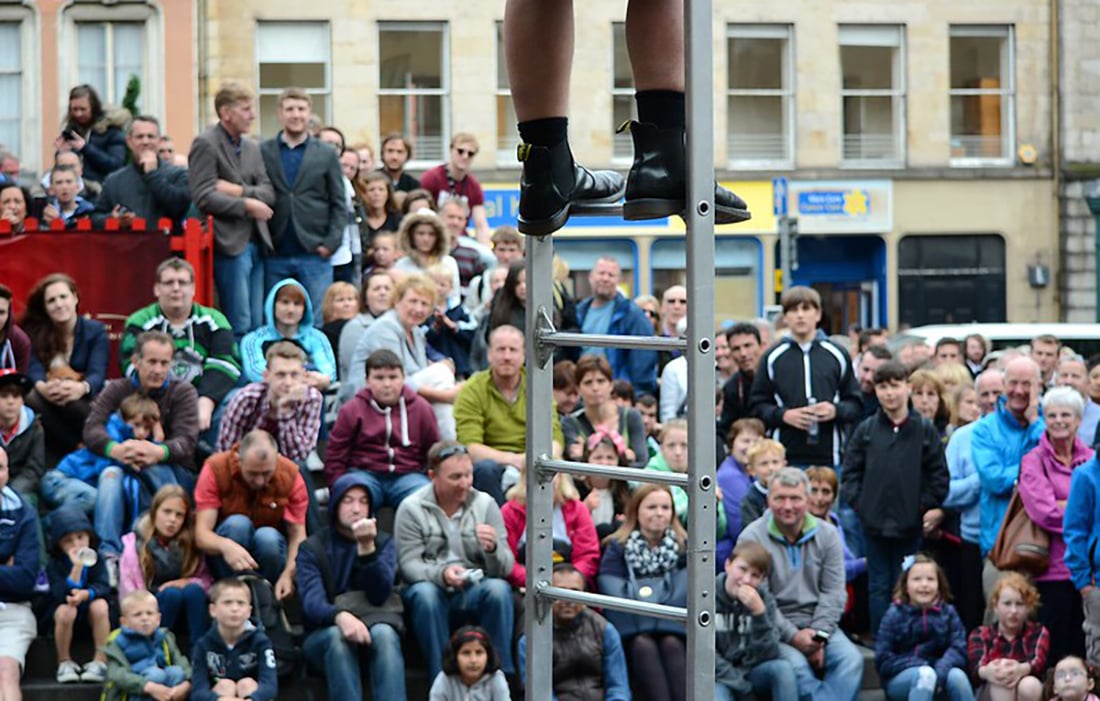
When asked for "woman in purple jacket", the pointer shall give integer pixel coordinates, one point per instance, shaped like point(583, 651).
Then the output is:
point(1045, 474)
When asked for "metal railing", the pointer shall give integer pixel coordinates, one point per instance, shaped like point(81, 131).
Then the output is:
point(699, 482)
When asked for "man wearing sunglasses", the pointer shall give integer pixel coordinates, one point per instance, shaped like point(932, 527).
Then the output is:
point(452, 549)
point(453, 180)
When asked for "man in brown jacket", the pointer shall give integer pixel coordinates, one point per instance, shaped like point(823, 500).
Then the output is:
point(229, 182)
point(251, 500)
point(152, 463)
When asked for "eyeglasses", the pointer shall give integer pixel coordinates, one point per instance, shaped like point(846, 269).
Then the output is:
point(651, 314)
point(465, 152)
point(449, 452)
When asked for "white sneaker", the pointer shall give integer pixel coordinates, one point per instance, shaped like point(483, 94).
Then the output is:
point(68, 672)
point(94, 672)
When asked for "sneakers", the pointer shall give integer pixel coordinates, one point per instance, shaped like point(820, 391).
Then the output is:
point(552, 183)
point(68, 672)
point(95, 672)
point(656, 187)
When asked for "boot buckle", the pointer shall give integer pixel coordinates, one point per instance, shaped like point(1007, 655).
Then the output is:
point(522, 152)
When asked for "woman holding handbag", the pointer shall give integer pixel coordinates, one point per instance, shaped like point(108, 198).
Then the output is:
point(1045, 474)
point(645, 560)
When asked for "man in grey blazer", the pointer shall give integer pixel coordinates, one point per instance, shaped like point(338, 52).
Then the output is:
point(228, 182)
point(310, 212)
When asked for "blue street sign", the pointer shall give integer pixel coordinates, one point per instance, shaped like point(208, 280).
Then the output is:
point(779, 195)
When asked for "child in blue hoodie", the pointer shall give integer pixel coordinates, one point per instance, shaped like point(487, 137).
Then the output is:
point(288, 315)
point(233, 660)
point(920, 649)
point(143, 659)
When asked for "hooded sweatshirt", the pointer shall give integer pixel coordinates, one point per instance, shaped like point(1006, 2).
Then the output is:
point(26, 453)
point(94, 578)
point(807, 576)
point(316, 344)
point(742, 639)
point(391, 440)
point(329, 564)
point(18, 546)
point(915, 636)
point(15, 347)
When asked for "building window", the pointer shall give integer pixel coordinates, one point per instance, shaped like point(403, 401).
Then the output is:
point(293, 54)
point(983, 94)
point(951, 279)
point(872, 62)
point(736, 274)
point(623, 108)
point(11, 87)
point(414, 85)
point(760, 94)
point(507, 132)
point(108, 55)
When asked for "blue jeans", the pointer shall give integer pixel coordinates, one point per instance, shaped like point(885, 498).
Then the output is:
point(310, 269)
point(773, 679)
point(121, 496)
point(168, 676)
point(328, 653)
point(884, 556)
point(919, 684)
point(267, 545)
point(58, 489)
point(391, 489)
point(191, 601)
point(487, 478)
point(843, 670)
point(432, 610)
point(240, 283)
point(210, 435)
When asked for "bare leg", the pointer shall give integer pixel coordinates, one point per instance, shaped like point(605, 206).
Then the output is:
point(539, 79)
point(9, 680)
point(651, 24)
point(100, 616)
point(63, 618)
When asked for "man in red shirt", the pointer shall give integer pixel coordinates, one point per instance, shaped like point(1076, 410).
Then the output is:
point(250, 499)
point(454, 180)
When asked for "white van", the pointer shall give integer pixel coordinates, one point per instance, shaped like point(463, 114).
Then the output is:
point(1083, 338)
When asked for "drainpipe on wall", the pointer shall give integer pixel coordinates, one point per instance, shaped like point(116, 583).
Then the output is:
point(1092, 198)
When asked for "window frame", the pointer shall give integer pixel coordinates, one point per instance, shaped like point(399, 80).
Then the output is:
point(620, 140)
point(898, 94)
point(505, 153)
point(326, 94)
point(27, 147)
point(786, 93)
point(1007, 33)
point(152, 98)
point(443, 92)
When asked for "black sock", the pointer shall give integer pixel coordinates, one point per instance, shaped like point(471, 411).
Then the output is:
point(665, 108)
point(549, 131)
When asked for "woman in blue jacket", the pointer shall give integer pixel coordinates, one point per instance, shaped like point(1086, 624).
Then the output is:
point(288, 315)
point(645, 560)
point(68, 365)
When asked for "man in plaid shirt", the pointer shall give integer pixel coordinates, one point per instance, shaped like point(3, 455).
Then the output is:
point(283, 405)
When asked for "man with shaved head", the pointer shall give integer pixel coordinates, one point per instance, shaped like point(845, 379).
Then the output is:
point(1001, 440)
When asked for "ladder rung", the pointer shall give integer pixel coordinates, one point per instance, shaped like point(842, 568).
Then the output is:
point(672, 613)
point(562, 339)
point(613, 209)
point(634, 474)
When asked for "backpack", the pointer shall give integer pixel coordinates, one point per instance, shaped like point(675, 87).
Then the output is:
point(268, 616)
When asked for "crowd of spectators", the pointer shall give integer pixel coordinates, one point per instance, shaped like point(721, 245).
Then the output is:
point(367, 353)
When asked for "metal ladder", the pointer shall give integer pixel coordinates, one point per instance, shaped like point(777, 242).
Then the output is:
point(541, 340)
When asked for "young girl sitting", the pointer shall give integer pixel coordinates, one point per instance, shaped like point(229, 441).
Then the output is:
point(471, 670)
point(673, 457)
point(1009, 657)
point(160, 556)
point(605, 498)
point(920, 649)
point(1071, 680)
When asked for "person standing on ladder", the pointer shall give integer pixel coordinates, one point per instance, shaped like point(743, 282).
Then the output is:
point(552, 181)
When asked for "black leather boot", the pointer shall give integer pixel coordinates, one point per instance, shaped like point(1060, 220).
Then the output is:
point(656, 186)
point(552, 182)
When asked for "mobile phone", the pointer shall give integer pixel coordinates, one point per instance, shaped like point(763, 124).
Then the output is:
point(123, 209)
point(38, 205)
point(821, 636)
point(68, 134)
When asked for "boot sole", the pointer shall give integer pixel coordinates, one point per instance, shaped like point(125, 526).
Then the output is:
point(647, 208)
point(548, 225)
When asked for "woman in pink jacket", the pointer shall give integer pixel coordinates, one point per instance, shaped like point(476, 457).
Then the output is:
point(160, 555)
point(1045, 474)
point(575, 538)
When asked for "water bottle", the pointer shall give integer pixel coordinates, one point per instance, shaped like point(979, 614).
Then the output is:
point(813, 430)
